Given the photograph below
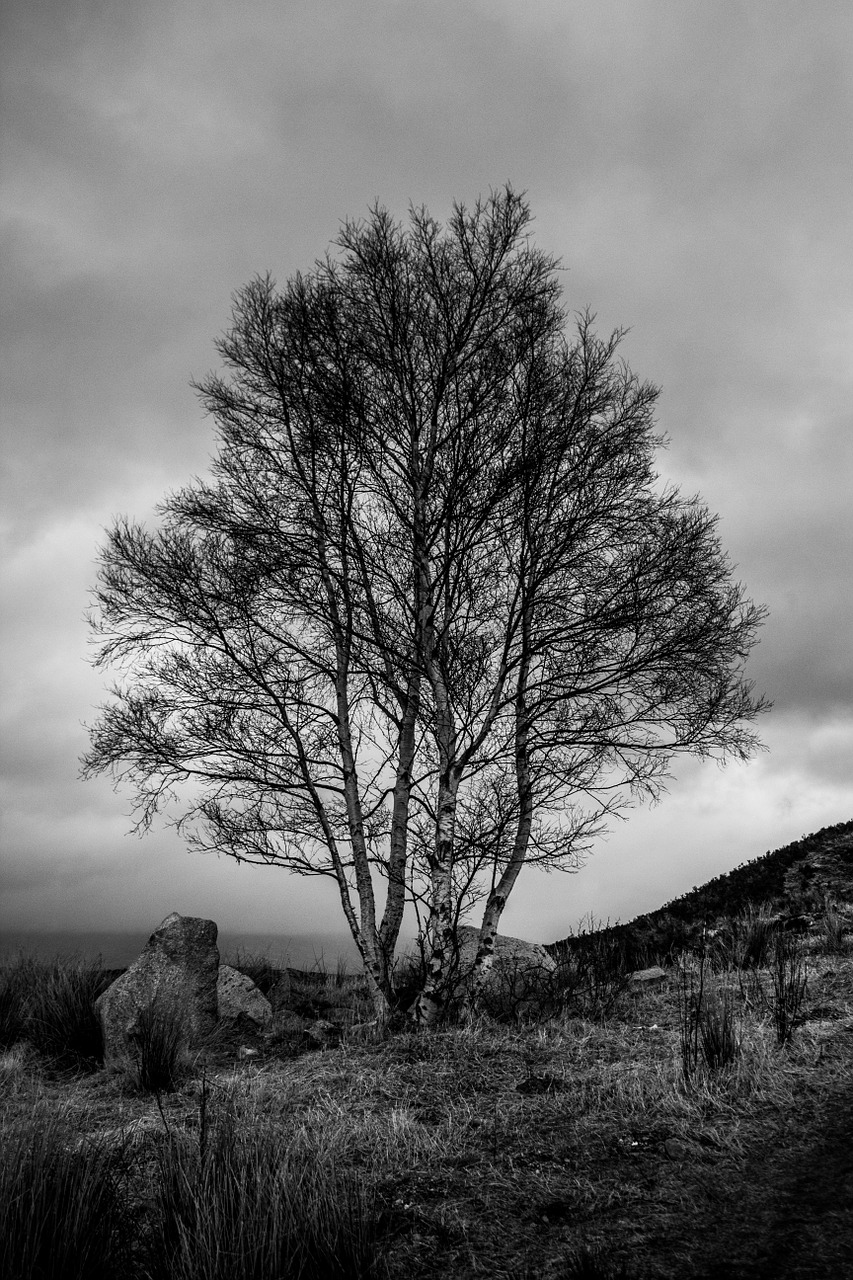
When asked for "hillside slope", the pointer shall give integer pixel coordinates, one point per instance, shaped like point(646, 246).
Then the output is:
point(795, 879)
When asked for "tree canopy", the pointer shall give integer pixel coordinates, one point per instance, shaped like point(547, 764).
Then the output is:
point(434, 616)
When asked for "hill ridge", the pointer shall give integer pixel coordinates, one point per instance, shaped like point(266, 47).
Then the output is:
point(798, 877)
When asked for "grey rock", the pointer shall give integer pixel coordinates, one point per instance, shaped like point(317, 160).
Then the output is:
point(676, 1149)
point(237, 996)
point(513, 956)
point(322, 1034)
point(646, 977)
point(177, 968)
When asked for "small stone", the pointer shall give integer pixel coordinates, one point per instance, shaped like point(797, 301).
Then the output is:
point(322, 1034)
point(676, 1149)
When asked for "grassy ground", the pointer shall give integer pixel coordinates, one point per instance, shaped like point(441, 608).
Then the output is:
point(569, 1145)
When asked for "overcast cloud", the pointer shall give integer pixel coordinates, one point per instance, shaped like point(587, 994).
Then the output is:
point(691, 164)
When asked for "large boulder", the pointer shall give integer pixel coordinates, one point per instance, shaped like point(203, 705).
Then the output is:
point(178, 968)
point(514, 959)
point(238, 998)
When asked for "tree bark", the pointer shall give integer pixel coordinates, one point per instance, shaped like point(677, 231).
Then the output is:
point(484, 960)
point(441, 933)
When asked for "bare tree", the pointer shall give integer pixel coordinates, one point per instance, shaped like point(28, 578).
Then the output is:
point(434, 617)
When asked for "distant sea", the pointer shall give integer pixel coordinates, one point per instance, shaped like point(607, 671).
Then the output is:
point(118, 950)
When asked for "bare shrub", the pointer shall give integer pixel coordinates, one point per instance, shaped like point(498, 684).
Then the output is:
point(518, 991)
point(593, 973)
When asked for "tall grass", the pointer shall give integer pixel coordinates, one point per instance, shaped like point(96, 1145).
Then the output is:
point(63, 1208)
point(832, 931)
point(59, 999)
point(239, 1202)
point(707, 1027)
point(790, 984)
point(753, 935)
point(13, 1009)
point(159, 1043)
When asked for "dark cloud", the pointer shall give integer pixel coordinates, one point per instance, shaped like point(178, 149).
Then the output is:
point(693, 166)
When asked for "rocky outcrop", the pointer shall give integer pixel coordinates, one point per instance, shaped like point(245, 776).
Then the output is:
point(177, 969)
point(239, 999)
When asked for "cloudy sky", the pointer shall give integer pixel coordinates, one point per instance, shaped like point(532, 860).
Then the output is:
point(691, 163)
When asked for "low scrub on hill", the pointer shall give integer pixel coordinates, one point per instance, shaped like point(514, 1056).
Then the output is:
point(800, 880)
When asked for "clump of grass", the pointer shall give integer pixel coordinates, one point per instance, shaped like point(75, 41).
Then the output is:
point(240, 1202)
point(718, 1034)
point(753, 934)
point(707, 1027)
point(159, 1043)
point(258, 967)
point(342, 973)
point(60, 1011)
point(63, 1212)
point(13, 1071)
point(790, 984)
point(832, 933)
point(14, 983)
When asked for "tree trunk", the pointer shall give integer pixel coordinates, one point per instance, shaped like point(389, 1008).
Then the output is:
point(392, 917)
point(440, 930)
point(497, 900)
